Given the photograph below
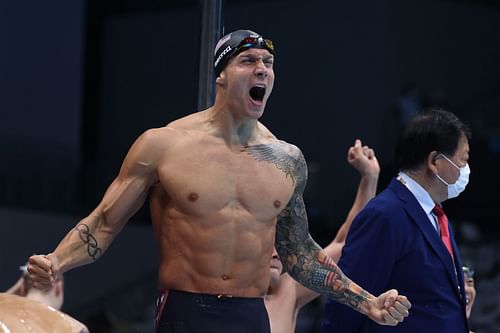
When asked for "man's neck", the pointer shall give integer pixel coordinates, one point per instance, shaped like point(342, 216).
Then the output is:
point(236, 132)
point(423, 180)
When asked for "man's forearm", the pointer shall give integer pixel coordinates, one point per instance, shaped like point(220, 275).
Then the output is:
point(307, 263)
point(315, 270)
point(84, 244)
point(367, 189)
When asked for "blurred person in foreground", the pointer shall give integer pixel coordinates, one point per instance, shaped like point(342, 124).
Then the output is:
point(24, 309)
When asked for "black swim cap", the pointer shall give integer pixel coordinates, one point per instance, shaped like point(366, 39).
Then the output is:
point(235, 42)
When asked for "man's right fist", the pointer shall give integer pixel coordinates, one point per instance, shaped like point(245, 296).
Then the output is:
point(43, 270)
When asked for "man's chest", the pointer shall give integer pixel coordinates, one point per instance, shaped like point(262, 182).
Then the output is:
point(211, 180)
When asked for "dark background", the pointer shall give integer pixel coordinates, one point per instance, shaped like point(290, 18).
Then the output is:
point(80, 80)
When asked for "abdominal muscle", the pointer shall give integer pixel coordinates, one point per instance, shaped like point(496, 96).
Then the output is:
point(223, 253)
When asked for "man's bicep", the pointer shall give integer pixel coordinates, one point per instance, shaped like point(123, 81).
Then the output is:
point(292, 226)
point(123, 199)
point(297, 250)
point(292, 221)
point(128, 192)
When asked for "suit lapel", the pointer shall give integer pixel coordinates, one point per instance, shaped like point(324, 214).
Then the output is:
point(419, 217)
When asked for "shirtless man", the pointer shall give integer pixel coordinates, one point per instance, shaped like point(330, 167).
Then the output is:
point(285, 297)
point(222, 187)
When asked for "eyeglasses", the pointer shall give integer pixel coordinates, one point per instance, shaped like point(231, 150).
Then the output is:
point(258, 42)
point(469, 272)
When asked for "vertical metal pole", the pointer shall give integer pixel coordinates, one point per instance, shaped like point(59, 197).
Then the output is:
point(212, 28)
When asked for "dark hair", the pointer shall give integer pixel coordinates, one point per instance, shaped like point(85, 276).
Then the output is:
point(430, 130)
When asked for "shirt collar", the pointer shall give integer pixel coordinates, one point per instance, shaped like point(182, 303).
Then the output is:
point(423, 197)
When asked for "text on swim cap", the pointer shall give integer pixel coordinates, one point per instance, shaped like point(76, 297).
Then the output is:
point(226, 50)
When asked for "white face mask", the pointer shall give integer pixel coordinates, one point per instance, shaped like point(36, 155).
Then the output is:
point(455, 189)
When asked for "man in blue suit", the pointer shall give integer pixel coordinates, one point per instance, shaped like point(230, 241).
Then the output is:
point(399, 241)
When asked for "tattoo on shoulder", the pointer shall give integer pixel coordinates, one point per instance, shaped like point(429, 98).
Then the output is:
point(275, 153)
point(93, 248)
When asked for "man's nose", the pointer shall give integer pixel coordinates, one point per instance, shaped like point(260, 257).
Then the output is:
point(260, 68)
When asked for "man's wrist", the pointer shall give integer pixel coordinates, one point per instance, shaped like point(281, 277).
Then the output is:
point(370, 176)
point(367, 306)
point(56, 264)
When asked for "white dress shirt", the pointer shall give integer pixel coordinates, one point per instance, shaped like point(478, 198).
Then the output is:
point(422, 196)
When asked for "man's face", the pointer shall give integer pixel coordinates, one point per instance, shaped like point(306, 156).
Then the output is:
point(448, 170)
point(470, 293)
point(249, 80)
point(276, 269)
point(460, 159)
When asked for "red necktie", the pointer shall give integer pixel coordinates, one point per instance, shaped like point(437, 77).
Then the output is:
point(443, 227)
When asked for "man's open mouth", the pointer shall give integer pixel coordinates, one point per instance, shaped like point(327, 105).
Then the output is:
point(257, 93)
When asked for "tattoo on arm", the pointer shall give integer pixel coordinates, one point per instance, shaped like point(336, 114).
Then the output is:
point(93, 248)
point(301, 256)
point(303, 259)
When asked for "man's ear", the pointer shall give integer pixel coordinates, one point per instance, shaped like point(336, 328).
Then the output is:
point(432, 161)
point(221, 79)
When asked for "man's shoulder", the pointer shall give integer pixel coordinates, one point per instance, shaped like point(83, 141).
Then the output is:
point(283, 146)
point(160, 135)
point(176, 129)
point(154, 142)
point(385, 201)
point(386, 208)
point(281, 152)
point(190, 121)
point(288, 147)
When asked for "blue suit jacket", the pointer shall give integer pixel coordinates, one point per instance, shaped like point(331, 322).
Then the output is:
point(392, 244)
